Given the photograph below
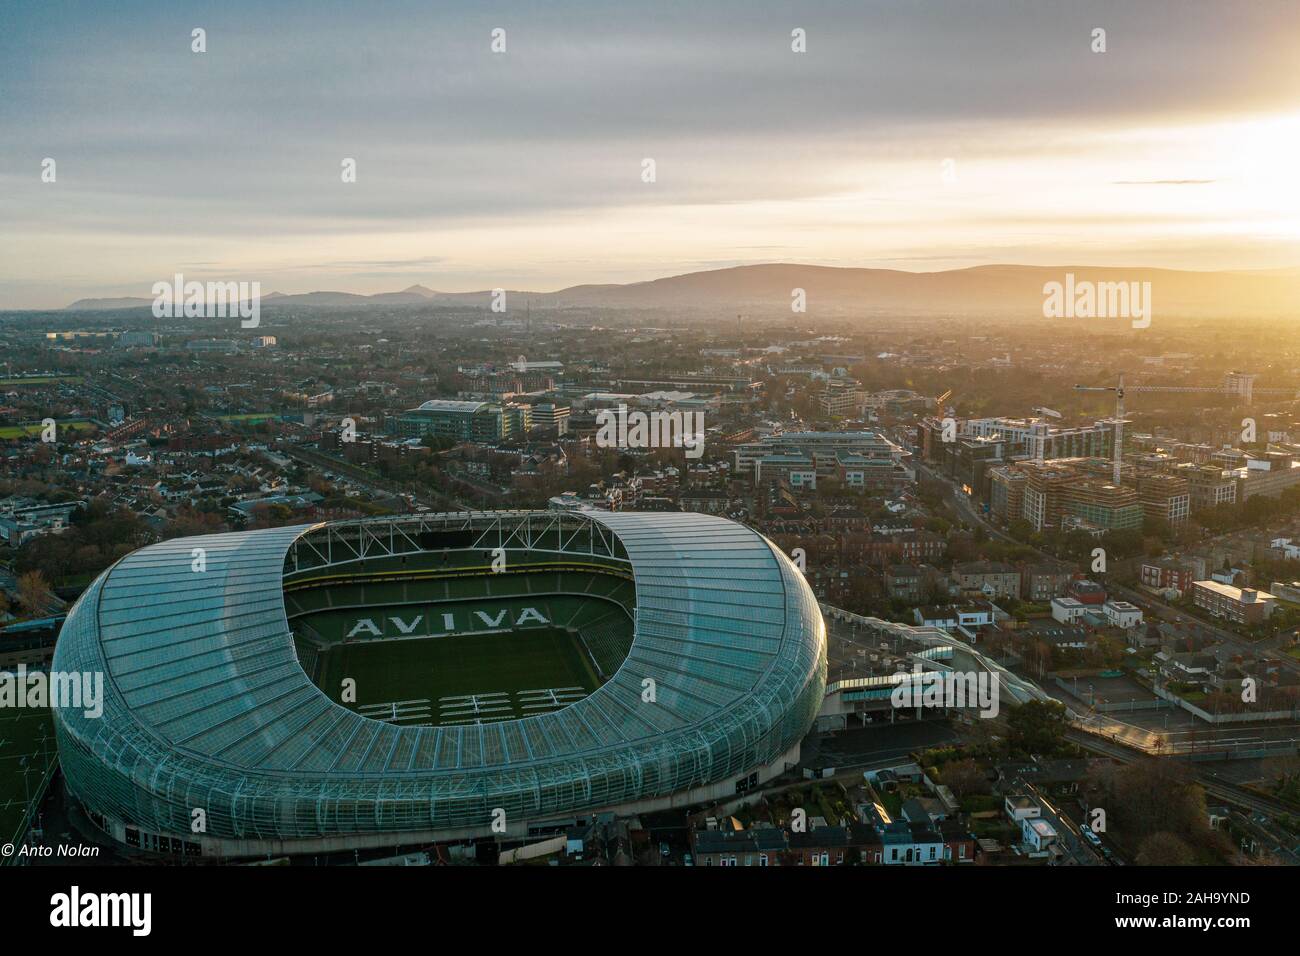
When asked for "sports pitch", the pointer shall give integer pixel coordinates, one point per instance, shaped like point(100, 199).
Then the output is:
point(29, 735)
point(35, 428)
point(459, 679)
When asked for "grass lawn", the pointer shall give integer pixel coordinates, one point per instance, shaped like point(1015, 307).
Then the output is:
point(893, 805)
point(826, 807)
point(20, 431)
point(23, 733)
point(430, 669)
point(997, 829)
point(980, 803)
point(37, 380)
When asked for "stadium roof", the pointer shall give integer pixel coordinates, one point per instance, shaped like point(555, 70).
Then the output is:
point(207, 705)
point(449, 405)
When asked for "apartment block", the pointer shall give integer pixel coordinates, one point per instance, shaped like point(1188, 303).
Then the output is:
point(1239, 605)
point(1165, 498)
point(1166, 573)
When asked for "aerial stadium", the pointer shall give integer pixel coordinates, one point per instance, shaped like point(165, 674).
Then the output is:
point(399, 680)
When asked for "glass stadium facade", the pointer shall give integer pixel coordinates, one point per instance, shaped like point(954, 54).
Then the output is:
point(208, 709)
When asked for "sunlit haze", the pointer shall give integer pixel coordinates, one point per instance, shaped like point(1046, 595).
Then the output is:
point(908, 136)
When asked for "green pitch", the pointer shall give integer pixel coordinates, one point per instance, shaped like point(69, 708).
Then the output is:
point(30, 430)
point(460, 679)
point(23, 734)
point(37, 380)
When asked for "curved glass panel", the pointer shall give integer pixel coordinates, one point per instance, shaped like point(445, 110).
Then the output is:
point(207, 707)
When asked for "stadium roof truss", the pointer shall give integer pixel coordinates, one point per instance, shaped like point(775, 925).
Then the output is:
point(342, 541)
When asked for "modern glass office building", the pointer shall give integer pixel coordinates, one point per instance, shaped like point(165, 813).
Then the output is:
point(210, 718)
point(448, 418)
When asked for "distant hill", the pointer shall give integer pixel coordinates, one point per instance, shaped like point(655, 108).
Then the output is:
point(138, 302)
point(1007, 290)
point(91, 305)
point(415, 295)
point(1000, 289)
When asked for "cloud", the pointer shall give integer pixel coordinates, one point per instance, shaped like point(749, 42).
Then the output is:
point(233, 156)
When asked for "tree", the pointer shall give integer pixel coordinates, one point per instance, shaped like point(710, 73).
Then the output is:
point(34, 592)
point(1038, 657)
point(98, 536)
point(1164, 849)
point(1037, 727)
point(189, 521)
point(964, 777)
point(1161, 799)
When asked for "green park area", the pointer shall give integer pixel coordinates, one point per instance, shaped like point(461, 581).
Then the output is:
point(33, 429)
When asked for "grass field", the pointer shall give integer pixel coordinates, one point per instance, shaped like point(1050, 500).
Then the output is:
point(463, 678)
point(37, 380)
point(249, 417)
point(23, 733)
point(21, 431)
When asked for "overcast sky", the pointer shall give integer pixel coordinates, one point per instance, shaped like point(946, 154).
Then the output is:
point(914, 135)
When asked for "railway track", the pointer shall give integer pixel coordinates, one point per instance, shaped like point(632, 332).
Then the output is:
point(1227, 792)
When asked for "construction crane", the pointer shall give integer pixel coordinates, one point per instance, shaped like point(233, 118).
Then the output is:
point(1119, 417)
point(1234, 383)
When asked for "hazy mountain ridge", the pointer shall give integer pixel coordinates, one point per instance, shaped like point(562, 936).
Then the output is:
point(1003, 289)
